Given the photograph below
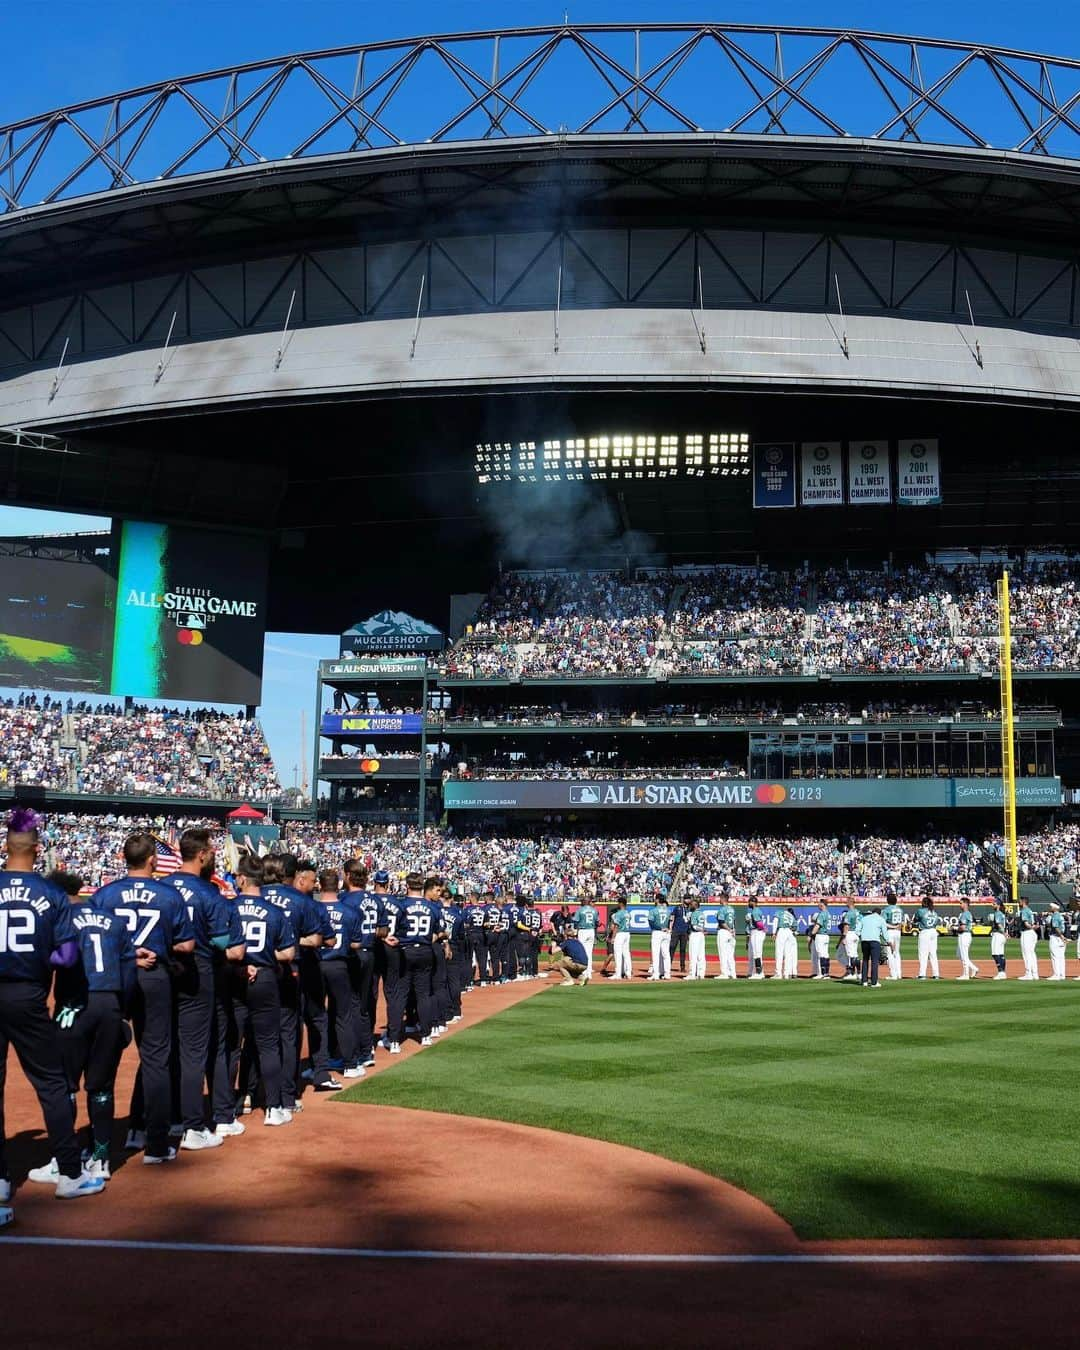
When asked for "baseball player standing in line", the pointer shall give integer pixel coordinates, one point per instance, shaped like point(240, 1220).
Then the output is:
point(585, 921)
point(361, 964)
point(1056, 924)
point(999, 931)
point(161, 930)
point(819, 929)
point(620, 924)
point(660, 929)
point(492, 919)
point(725, 940)
point(965, 922)
point(851, 927)
point(474, 928)
point(680, 936)
point(787, 946)
point(926, 922)
point(37, 922)
point(755, 941)
point(696, 920)
point(92, 998)
point(415, 936)
point(894, 924)
point(1028, 938)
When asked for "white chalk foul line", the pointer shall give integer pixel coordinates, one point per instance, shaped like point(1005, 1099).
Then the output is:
point(564, 1258)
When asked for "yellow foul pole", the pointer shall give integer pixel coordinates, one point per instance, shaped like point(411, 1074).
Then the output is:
point(1008, 738)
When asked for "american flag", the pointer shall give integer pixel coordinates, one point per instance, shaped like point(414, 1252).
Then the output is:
point(168, 860)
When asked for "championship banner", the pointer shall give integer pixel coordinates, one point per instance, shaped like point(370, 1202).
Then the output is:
point(918, 474)
point(360, 724)
point(869, 479)
point(774, 476)
point(741, 794)
point(821, 473)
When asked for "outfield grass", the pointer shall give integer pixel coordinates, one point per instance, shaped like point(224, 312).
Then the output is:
point(934, 1110)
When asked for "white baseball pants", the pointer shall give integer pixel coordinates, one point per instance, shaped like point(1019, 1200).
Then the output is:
point(1057, 956)
point(697, 956)
point(892, 952)
point(787, 954)
point(1028, 939)
point(624, 968)
point(725, 950)
point(963, 952)
point(928, 952)
point(587, 938)
point(661, 956)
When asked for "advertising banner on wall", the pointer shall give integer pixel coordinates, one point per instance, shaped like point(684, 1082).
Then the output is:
point(391, 630)
point(869, 476)
point(374, 668)
point(918, 473)
point(362, 724)
point(774, 476)
point(741, 794)
point(821, 474)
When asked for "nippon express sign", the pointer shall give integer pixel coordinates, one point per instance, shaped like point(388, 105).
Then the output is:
point(360, 724)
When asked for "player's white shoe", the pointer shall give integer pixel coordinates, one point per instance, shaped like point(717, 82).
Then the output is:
point(225, 1129)
point(426, 1040)
point(74, 1188)
point(135, 1141)
point(48, 1175)
point(965, 976)
point(354, 1071)
point(199, 1139)
point(98, 1167)
point(277, 1115)
point(395, 1048)
point(1002, 976)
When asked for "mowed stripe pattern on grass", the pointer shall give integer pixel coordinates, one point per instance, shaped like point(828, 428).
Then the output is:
point(918, 1111)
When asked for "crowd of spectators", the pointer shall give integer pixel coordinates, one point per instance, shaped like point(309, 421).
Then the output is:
point(103, 749)
point(739, 620)
point(596, 767)
point(560, 863)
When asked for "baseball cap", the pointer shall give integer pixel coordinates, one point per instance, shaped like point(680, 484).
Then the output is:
point(381, 878)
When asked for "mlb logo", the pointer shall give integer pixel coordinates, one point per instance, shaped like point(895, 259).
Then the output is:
point(584, 796)
point(186, 619)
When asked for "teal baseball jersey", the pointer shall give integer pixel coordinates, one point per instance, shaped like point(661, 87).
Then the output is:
point(620, 921)
point(1027, 918)
point(999, 922)
point(853, 919)
point(659, 918)
point(698, 922)
point(925, 919)
point(965, 921)
point(1057, 924)
point(585, 917)
point(893, 916)
point(785, 919)
point(823, 919)
point(725, 917)
point(754, 918)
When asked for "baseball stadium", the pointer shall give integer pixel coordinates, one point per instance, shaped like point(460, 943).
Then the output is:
point(672, 423)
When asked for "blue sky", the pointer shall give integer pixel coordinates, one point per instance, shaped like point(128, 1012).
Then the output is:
point(63, 51)
point(66, 50)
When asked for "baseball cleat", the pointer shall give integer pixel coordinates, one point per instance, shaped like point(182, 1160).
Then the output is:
point(98, 1167)
point(395, 1048)
point(226, 1128)
point(331, 1085)
point(74, 1188)
point(277, 1115)
point(155, 1159)
point(48, 1175)
point(354, 1071)
point(426, 1040)
point(199, 1139)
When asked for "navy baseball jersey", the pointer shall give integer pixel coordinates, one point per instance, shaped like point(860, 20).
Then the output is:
point(267, 929)
point(306, 916)
point(155, 915)
point(492, 915)
point(454, 922)
point(535, 919)
point(503, 923)
point(391, 908)
point(418, 923)
point(345, 921)
point(513, 916)
point(210, 913)
point(35, 919)
point(107, 964)
point(474, 917)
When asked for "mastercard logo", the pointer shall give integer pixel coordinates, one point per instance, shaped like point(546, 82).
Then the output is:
point(770, 794)
point(369, 766)
point(189, 637)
